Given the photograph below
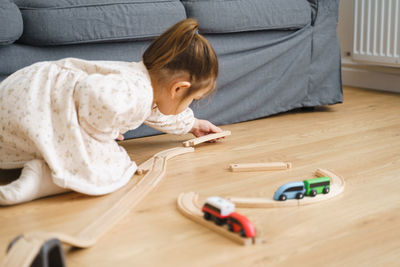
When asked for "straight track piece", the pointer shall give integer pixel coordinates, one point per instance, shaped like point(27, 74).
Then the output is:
point(205, 138)
point(267, 166)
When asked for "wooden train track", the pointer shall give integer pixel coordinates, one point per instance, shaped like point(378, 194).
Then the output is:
point(30, 243)
point(255, 167)
point(205, 138)
point(188, 205)
point(336, 188)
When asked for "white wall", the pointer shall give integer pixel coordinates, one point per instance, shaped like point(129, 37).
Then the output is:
point(357, 74)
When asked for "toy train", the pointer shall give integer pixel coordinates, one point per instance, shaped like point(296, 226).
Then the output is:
point(222, 211)
point(298, 190)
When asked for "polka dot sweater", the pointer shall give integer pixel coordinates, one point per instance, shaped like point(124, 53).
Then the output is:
point(69, 113)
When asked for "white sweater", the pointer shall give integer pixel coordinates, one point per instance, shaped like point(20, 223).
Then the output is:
point(69, 112)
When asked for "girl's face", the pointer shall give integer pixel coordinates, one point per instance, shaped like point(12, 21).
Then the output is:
point(171, 96)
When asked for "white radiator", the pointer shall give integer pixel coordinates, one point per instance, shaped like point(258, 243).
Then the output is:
point(376, 32)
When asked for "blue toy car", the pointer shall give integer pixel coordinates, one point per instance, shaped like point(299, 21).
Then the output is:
point(290, 190)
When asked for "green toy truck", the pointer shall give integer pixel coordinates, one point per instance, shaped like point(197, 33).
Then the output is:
point(317, 186)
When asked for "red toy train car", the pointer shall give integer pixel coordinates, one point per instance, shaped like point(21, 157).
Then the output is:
point(222, 211)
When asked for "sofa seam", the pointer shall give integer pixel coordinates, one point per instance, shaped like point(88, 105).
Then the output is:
point(286, 27)
point(94, 5)
point(122, 38)
point(189, 1)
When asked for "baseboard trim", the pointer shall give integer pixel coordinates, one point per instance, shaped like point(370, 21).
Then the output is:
point(357, 76)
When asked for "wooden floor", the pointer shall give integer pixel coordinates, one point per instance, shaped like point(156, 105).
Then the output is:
point(359, 140)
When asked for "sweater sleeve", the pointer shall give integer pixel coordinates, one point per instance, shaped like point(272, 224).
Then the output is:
point(181, 123)
point(105, 105)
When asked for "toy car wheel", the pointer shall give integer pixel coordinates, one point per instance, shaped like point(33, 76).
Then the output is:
point(282, 197)
point(207, 216)
point(242, 233)
point(218, 221)
point(326, 190)
point(299, 196)
point(230, 227)
point(313, 193)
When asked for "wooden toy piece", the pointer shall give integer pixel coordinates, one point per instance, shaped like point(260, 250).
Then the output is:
point(22, 253)
point(188, 205)
point(87, 237)
point(290, 191)
point(261, 202)
point(336, 188)
point(239, 223)
point(309, 187)
point(132, 197)
point(36, 249)
point(168, 153)
point(335, 180)
point(222, 211)
point(267, 166)
point(320, 185)
point(205, 138)
point(104, 223)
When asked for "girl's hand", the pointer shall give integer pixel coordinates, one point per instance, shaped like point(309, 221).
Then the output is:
point(120, 137)
point(204, 127)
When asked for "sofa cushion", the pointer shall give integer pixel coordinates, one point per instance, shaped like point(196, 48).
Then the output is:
point(10, 22)
point(49, 22)
point(221, 16)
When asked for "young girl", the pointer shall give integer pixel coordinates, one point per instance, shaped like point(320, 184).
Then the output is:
point(59, 120)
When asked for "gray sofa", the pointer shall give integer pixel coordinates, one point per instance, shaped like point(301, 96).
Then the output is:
point(275, 55)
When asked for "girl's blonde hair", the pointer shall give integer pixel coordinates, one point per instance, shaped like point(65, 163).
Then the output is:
point(182, 49)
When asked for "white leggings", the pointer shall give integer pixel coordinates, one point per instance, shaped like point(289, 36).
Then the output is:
point(34, 182)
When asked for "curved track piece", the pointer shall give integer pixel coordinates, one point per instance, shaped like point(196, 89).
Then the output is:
point(336, 188)
point(23, 252)
point(167, 154)
point(30, 243)
point(189, 207)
